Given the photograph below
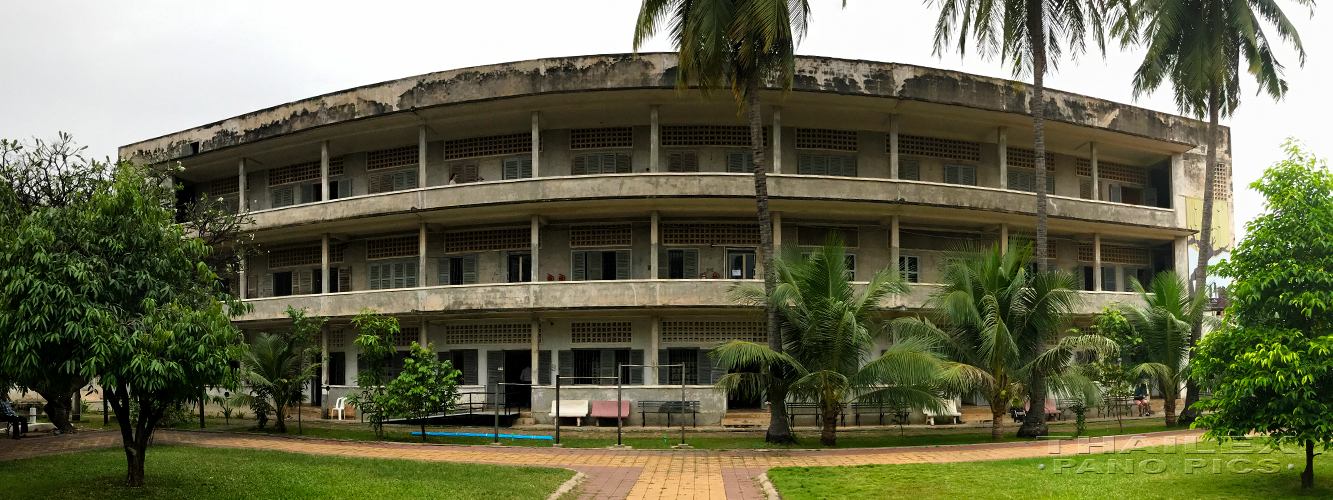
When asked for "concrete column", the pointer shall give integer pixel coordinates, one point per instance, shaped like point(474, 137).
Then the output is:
point(1178, 190)
point(244, 204)
point(324, 264)
point(324, 357)
point(421, 156)
point(240, 275)
point(421, 255)
point(1097, 261)
point(1004, 161)
point(1181, 257)
point(654, 259)
point(777, 234)
point(536, 358)
point(777, 140)
point(421, 336)
point(1004, 238)
point(653, 361)
point(536, 157)
point(1092, 160)
point(535, 245)
point(893, 146)
point(654, 140)
point(324, 171)
point(895, 244)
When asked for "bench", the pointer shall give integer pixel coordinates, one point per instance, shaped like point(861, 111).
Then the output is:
point(607, 409)
point(572, 408)
point(900, 412)
point(812, 409)
point(950, 413)
point(1116, 405)
point(669, 407)
point(1051, 411)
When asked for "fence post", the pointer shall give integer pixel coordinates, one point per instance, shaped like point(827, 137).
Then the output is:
point(557, 409)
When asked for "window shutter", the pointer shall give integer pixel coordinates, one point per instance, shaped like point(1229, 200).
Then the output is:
point(494, 360)
point(663, 372)
point(1150, 197)
point(805, 164)
point(470, 270)
point(511, 168)
point(373, 277)
point(442, 271)
point(967, 175)
point(252, 286)
point(691, 161)
point(469, 369)
point(740, 163)
point(344, 188)
point(607, 368)
point(525, 168)
point(471, 173)
point(307, 193)
point(399, 181)
point(305, 283)
point(676, 161)
point(544, 367)
point(282, 197)
point(951, 174)
point(398, 278)
point(266, 285)
point(705, 367)
point(1108, 279)
point(595, 266)
point(579, 271)
point(623, 164)
point(691, 263)
point(909, 170)
point(580, 166)
point(819, 165)
point(1085, 190)
point(381, 183)
point(337, 368)
point(1050, 183)
point(344, 279)
point(1115, 193)
point(566, 365)
point(636, 373)
point(622, 264)
point(411, 269)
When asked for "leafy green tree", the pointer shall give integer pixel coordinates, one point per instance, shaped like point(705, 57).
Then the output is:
point(1164, 321)
point(738, 45)
point(1271, 371)
point(375, 343)
point(278, 367)
point(1031, 35)
point(1200, 47)
point(997, 319)
point(426, 386)
point(829, 331)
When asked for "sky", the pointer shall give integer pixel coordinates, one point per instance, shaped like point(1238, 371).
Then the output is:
point(113, 73)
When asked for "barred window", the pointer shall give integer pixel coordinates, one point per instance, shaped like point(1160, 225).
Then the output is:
point(336, 251)
point(398, 246)
point(609, 332)
point(708, 136)
point(406, 336)
point(710, 234)
point(491, 145)
point(822, 138)
point(337, 337)
point(1118, 172)
point(488, 239)
point(336, 166)
point(1026, 158)
point(224, 186)
point(933, 147)
point(292, 257)
point(808, 236)
point(602, 235)
point(714, 332)
point(1222, 183)
point(294, 173)
point(597, 138)
point(394, 157)
point(496, 333)
point(1115, 254)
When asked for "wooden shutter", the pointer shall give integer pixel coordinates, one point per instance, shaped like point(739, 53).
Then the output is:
point(595, 265)
point(704, 366)
point(344, 188)
point(494, 360)
point(1085, 190)
point(1115, 193)
point(636, 373)
point(805, 164)
point(404, 180)
point(544, 367)
point(951, 174)
point(580, 166)
point(579, 269)
point(381, 183)
point(252, 286)
point(967, 175)
point(844, 166)
point(411, 269)
point(373, 276)
point(470, 270)
point(566, 365)
point(305, 282)
point(909, 170)
point(691, 260)
point(1050, 183)
point(607, 366)
point(442, 270)
point(623, 166)
point(740, 163)
point(307, 193)
point(266, 285)
point(663, 372)
point(623, 264)
point(682, 161)
point(1150, 197)
point(344, 279)
point(511, 168)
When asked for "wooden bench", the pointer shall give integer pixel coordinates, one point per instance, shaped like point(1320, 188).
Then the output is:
point(607, 409)
point(669, 407)
point(812, 409)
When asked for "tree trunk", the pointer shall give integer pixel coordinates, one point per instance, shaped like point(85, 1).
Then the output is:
point(828, 434)
point(1034, 423)
point(996, 424)
point(279, 417)
point(423, 430)
point(58, 406)
point(1205, 248)
point(778, 430)
point(135, 431)
point(134, 459)
point(1036, 32)
point(1169, 407)
point(1307, 475)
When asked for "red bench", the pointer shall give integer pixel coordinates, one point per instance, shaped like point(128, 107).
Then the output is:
point(607, 409)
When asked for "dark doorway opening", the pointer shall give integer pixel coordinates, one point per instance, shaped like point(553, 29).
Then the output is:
point(518, 370)
point(739, 401)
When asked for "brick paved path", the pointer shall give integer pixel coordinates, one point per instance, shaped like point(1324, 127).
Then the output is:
point(633, 474)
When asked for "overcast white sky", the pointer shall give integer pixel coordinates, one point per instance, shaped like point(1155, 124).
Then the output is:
point(112, 73)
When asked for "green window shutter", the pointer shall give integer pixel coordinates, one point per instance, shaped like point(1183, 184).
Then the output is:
point(968, 175)
point(1050, 183)
point(663, 371)
point(580, 165)
point(442, 270)
point(623, 165)
point(805, 164)
point(607, 367)
point(676, 161)
point(736, 163)
point(511, 168)
point(266, 285)
point(951, 174)
point(1116, 195)
point(691, 263)
point(344, 279)
point(544, 367)
point(623, 261)
point(399, 276)
point(566, 366)
point(1149, 195)
point(909, 170)
point(595, 265)
point(411, 269)
point(252, 286)
point(578, 269)
point(344, 188)
point(373, 276)
point(307, 193)
point(704, 366)
point(636, 372)
point(494, 360)
point(470, 270)
point(1085, 189)
point(525, 168)
point(305, 282)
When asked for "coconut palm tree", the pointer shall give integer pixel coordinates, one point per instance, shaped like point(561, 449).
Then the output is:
point(995, 316)
point(1031, 35)
point(272, 368)
point(829, 329)
point(1164, 321)
point(737, 44)
point(1198, 45)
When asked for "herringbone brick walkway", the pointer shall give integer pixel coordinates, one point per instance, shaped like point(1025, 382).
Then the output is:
point(632, 474)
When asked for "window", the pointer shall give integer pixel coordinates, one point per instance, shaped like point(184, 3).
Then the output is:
point(520, 268)
point(387, 275)
point(282, 284)
point(820, 138)
point(1025, 181)
point(709, 234)
point(600, 163)
point(341, 188)
point(595, 138)
point(464, 360)
point(482, 240)
point(598, 366)
point(683, 161)
point(740, 264)
point(393, 181)
point(284, 197)
point(337, 368)
point(740, 162)
point(488, 146)
point(909, 266)
point(909, 170)
point(518, 168)
point(588, 366)
point(395, 157)
point(682, 356)
point(461, 270)
point(825, 164)
point(1108, 279)
point(1089, 278)
point(933, 147)
point(708, 135)
point(460, 173)
point(960, 174)
point(682, 264)
point(594, 265)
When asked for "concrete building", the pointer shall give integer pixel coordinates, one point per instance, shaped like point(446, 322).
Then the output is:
point(565, 215)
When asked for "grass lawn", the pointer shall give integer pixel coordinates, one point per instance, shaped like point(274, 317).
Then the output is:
point(1021, 479)
point(225, 474)
point(703, 440)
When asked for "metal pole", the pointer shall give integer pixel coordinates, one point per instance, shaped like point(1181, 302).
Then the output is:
point(497, 407)
point(620, 384)
point(299, 398)
point(557, 407)
point(682, 404)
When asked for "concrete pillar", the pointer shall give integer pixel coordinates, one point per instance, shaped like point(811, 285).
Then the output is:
point(654, 259)
point(421, 155)
point(421, 336)
point(777, 140)
point(654, 140)
point(1181, 256)
point(244, 205)
point(324, 264)
point(777, 234)
point(1178, 189)
point(1097, 261)
point(1004, 161)
point(535, 245)
point(240, 275)
point(324, 356)
point(893, 146)
point(324, 172)
point(421, 255)
point(1092, 160)
point(1004, 237)
point(536, 157)
point(653, 361)
point(895, 244)
point(536, 358)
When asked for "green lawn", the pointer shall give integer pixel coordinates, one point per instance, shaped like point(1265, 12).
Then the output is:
point(224, 474)
point(703, 440)
point(1021, 479)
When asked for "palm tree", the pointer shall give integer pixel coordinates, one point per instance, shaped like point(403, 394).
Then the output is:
point(1031, 35)
point(273, 370)
point(998, 318)
point(1164, 321)
point(738, 44)
point(829, 329)
point(1198, 45)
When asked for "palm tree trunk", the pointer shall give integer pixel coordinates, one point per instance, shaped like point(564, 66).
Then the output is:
point(280, 417)
point(828, 435)
point(996, 423)
point(778, 430)
point(1034, 423)
point(1169, 409)
point(1036, 33)
point(1205, 250)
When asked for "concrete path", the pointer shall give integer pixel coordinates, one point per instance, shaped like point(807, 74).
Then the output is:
point(632, 474)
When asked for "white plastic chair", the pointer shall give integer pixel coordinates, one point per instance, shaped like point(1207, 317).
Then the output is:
point(339, 406)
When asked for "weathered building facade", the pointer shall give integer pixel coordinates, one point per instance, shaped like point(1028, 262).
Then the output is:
point(566, 215)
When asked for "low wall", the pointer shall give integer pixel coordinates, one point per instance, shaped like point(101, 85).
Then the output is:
point(712, 403)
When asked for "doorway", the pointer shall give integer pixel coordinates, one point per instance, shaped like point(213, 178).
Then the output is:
point(518, 370)
point(738, 401)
